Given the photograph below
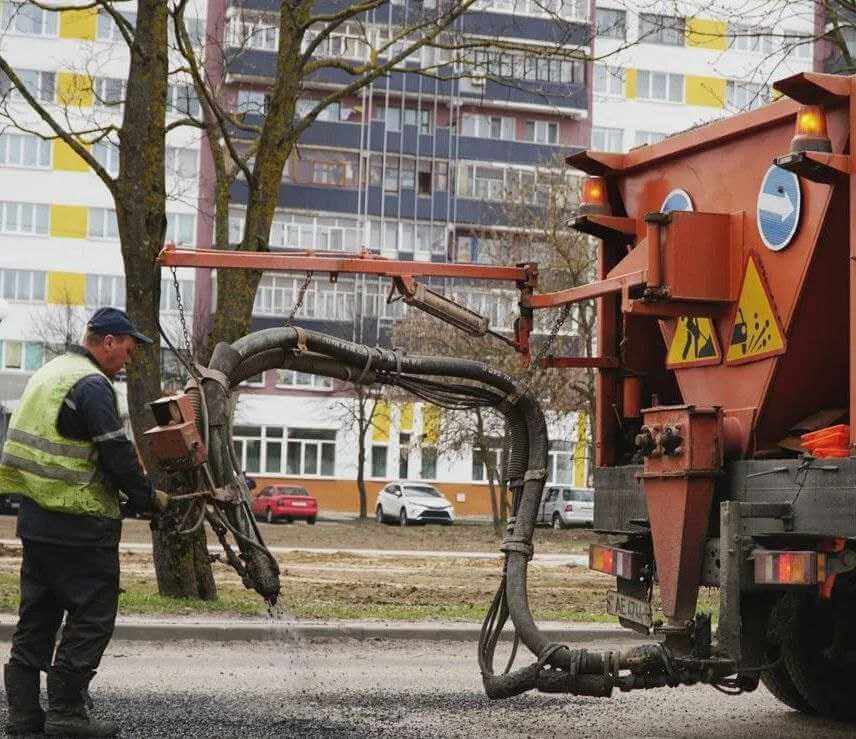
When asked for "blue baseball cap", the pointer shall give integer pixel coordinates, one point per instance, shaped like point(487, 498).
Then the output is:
point(115, 321)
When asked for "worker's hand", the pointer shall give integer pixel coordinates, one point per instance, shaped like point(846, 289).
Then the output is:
point(160, 501)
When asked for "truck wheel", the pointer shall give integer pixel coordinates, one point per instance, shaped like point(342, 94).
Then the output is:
point(779, 683)
point(806, 625)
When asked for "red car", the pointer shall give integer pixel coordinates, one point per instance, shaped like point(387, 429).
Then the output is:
point(287, 502)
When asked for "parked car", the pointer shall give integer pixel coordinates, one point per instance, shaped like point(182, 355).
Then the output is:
point(285, 502)
point(410, 502)
point(563, 506)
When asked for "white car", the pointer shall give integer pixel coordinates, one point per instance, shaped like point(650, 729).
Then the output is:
point(563, 506)
point(410, 502)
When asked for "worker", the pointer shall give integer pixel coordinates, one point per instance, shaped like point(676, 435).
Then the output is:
point(68, 455)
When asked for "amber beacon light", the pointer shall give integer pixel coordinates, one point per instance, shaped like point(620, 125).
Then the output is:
point(593, 196)
point(811, 133)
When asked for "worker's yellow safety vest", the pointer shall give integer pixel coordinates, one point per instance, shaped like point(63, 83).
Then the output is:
point(59, 474)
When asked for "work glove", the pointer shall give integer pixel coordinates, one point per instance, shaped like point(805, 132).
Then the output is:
point(160, 501)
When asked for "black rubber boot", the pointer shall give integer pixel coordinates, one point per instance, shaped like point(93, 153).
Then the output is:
point(67, 714)
point(22, 694)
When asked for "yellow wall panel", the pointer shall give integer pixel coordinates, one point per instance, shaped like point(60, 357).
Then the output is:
point(406, 423)
point(431, 424)
point(380, 421)
point(80, 24)
point(74, 89)
point(630, 78)
point(68, 221)
point(581, 451)
point(66, 288)
point(708, 91)
point(706, 33)
point(66, 159)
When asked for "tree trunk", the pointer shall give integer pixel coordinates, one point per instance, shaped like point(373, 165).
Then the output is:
point(140, 197)
point(491, 470)
point(362, 428)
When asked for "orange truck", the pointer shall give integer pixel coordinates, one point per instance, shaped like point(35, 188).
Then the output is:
point(727, 282)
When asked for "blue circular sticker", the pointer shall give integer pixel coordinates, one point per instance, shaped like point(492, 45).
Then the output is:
point(778, 208)
point(677, 200)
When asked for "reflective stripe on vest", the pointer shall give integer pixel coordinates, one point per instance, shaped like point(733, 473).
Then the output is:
point(59, 474)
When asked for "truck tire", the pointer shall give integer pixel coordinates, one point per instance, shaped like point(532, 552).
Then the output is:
point(779, 683)
point(806, 625)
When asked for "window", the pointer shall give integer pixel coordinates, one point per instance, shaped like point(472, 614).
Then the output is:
point(19, 150)
point(479, 471)
point(661, 86)
point(182, 100)
point(108, 29)
point(248, 447)
point(798, 45)
point(607, 139)
point(103, 224)
point(441, 176)
point(424, 178)
point(168, 298)
point(247, 32)
point(109, 92)
point(390, 176)
point(254, 381)
point(661, 29)
point(25, 218)
point(751, 39)
point(420, 118)
point(536, 67)
point(404, 456)
point(41, 85)
point(254, 102)
point(648, 137)
point(488, 126)
point(102, 290)
point(22, 285)
point(541, 132)
point(746, 95)
point(559, 463)
point(428, 469)
point(181, 228)
point(608, 80)
point(28, 20)
point(22, 355)
point(302, 381)
point(322, 167)
point(611, 23)
point(107, 155)
point(378, 460)
point(181, 162)
point(393, 119)
point(311, 452)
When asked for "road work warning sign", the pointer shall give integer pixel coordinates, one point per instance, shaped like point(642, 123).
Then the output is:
point(755, 331)
point(694, 343)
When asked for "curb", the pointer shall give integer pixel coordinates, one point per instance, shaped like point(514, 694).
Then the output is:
point(153, 631)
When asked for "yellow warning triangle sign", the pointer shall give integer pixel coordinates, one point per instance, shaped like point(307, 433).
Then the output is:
point(694, 344)
point(755, 331)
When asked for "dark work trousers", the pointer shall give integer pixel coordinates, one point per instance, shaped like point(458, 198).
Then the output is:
point(82, 581)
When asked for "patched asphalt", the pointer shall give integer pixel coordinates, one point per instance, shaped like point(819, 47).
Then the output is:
point(345, 688)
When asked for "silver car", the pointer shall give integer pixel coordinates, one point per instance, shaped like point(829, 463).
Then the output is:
point(407, 502)
point(563, 506)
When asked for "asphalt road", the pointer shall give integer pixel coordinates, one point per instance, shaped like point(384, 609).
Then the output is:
point(393, 689)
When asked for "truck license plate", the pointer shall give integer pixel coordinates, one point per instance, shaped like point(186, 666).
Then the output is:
point(633, 609)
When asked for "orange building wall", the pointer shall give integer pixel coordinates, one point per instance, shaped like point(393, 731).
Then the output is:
point(342, 496)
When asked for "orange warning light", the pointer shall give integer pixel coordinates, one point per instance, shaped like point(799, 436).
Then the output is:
point(811, 133)
point(593, 196)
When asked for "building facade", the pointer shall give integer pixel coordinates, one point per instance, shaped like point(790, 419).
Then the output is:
point(662, 68)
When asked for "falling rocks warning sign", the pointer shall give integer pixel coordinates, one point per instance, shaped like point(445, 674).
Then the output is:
point(694, 343)
point(755, 330)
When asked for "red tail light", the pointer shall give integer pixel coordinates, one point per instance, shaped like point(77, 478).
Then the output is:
point(789, 568)
point(619, 562)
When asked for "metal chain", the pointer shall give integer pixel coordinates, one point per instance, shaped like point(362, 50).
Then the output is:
point(301, 294)
point(188, 347)
point(526, 381)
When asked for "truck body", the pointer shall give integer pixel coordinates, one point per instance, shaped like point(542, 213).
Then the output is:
point(725, 288)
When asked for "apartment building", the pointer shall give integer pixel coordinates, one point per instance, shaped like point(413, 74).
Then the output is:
point(59, 249)
point(411, 167)
point(665, 67)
